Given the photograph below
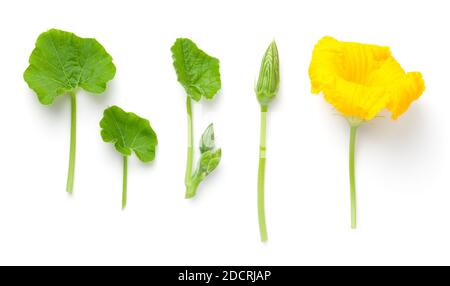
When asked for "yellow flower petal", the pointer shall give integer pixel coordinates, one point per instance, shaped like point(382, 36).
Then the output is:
point(360, 80)
point(406, 92)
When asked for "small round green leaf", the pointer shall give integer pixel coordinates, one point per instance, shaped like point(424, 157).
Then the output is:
point(129, 133)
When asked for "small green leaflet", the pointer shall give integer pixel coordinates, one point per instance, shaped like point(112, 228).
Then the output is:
point(196, 71)
point(129, 133)
point(61, 62)
point(207, 141)
point(209, 160)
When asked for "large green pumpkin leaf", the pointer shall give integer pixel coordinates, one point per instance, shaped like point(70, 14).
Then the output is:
point(196, 71)
point(128, 132)
point(62, 62)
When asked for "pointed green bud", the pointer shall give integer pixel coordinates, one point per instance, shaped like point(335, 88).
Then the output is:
point(269, 76)
point(207, 140)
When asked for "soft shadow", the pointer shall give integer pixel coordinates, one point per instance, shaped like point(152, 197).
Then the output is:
point(56, 111)
point(409, 142)
point(401, 132)
point(104, 98)
point(212, 104)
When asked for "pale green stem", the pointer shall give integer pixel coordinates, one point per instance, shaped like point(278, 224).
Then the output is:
point(193, 185)
point(124, 182)
point(352, 174)
point(261, 169)
point(73, 139)
point(188, 175)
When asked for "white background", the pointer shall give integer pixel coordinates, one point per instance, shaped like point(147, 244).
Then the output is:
point(402, 167)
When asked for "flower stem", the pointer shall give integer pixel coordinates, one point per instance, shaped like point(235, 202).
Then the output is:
point(193, 185)
point(124, 182)
point(352, 175)
point(188, 175)
point(73, 139)
point(261, 169)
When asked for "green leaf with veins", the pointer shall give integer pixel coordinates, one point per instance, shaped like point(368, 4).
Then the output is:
point(62, 62)
point(200, 76)
point(129, 133)
point(196, 71)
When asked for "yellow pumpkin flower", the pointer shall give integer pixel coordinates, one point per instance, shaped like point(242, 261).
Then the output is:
point(360, 80)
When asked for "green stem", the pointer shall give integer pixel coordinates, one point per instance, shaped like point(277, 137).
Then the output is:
point(188, 175)
point(124, 182)
point(352, 175)
point(261, 169)
point(193, 185)
point(73, 139)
